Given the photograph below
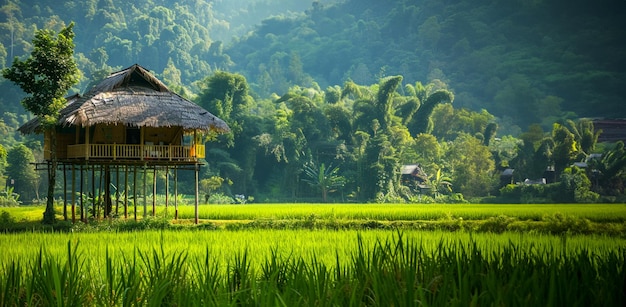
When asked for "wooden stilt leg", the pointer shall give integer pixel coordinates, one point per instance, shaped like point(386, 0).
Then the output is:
point(135, 190)
point(64, 192)
point(73, 194)
point(154, 175)
point(196, 211)
point(125, 191)
point(145, 192)
point(167, 188)
point(176, 193)
point(83, 217)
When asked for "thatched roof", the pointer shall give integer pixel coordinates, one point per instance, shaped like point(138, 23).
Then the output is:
point(414, 170)
point(133, 97)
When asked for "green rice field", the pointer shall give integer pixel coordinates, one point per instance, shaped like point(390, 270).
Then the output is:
point(321, 266)
point(380, 212)
point(324, 244)
point(399, 212)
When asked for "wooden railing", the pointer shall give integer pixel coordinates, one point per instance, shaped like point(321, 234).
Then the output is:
point(135, 152)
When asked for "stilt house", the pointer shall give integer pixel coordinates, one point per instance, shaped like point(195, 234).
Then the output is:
point(130, 122)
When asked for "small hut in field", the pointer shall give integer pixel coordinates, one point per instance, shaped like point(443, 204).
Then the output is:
point(127, 124)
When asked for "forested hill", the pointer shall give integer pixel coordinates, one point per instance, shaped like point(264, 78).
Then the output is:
point(531, 60)
point(528, 60)
point(179, 40)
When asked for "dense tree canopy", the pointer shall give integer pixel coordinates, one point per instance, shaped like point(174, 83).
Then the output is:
point(534, 59)
point(365, 86)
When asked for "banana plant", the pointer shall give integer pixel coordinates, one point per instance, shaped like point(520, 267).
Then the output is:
point(441, 183)
point(322, 178)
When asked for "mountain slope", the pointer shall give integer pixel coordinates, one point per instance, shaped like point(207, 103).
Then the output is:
point(532, 61)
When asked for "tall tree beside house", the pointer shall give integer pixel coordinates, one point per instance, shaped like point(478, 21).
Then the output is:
point(45, 77)
point(227, 96)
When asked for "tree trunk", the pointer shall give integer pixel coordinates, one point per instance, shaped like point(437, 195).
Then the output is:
point(48, 215)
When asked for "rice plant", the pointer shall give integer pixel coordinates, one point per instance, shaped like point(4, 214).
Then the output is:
point(287, 268)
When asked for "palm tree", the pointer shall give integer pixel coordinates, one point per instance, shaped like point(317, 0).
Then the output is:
point(585, 134)
point(322, 178)
point(609, 172)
